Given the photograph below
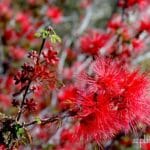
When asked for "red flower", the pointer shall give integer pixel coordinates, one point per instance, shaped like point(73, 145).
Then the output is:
point(115, 22)
point(111, 99)
point(67, 140)
point(55, 14)
point(67, 97)
point(97, 120)
point(129, 3)
point(50, 57)
point(138, 45)
point(145, 25)
point(145, 146)
point(92, 42)
point(24, 21)
point(2, 147)
point(10, 35)
point(5, 100)
point(66, 136)
point(6, 11)
point(17, 53)
point(31, 105)
point(41, 70)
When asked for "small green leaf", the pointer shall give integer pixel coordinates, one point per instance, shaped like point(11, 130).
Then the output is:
point(43, 33)
point(37, 34)
point(20, 131)
point(55, 38)
point(38, 120)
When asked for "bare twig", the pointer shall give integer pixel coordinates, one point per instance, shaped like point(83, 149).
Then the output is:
point(85, 21)
point(141, 58)
point(54, 118)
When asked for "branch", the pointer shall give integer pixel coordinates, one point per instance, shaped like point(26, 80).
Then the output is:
point(54, 118)
point(27, 87)
point(141, 58)
point(85, 21)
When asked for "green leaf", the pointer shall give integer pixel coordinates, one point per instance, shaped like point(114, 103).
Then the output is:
point(55, 38)
point(20, 131)
point(38, 120)
point(43, 33)
point(37, 34)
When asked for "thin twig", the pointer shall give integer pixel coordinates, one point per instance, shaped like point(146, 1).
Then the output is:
point(85, 21)
point(54, 118)
point(141, 58)
point(28, 86)
point(23, 101)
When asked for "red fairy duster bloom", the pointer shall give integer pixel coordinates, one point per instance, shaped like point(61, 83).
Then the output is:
point(92, 42)
point(115, 99)
point(55, 14)
point(10, 36)
point(67, 140)
point(67, 97)
point(17, 53)
point(145, 146)
point(2, 147)
point(24, 22)
point(138, 45)
point(98, 121)
point(145, 25)
point(6, 11)
point(115, 23)
point(129, 3)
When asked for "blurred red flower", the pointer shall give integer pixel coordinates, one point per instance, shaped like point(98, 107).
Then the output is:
point(67, 96)
point(92, 42)
point(129, 3)
point(55, 14)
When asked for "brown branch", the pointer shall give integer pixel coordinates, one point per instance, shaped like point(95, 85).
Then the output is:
point(54, 118)
point(28, 86)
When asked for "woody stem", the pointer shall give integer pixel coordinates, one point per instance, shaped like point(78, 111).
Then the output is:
point(27, 87)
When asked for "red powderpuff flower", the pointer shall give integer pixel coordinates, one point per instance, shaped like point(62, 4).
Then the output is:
point(145, 146)
point(97, 120)
point(66, 136)
point(6, 11)
point(138, 45)
point(55, 14)
point(10, 36)
point(115, 23)
point(24, 21)
point(92, 42)
point(129, 3)
point(2, 147)
point(145, 25)
point(5, 100)
point(67, 96)
point(17, 53)
point(112, 99)
point(67, 140)
point(135, 100)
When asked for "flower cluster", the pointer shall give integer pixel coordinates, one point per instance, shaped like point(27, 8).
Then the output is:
point(93, 42)
point(114, 99)
point(41, 70)
point(87, 89)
